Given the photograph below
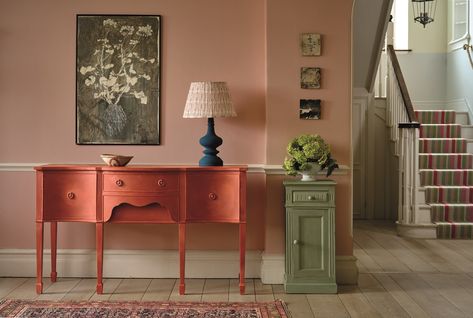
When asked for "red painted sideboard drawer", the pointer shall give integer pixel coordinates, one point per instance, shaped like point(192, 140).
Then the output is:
point(213, 197)
point(142, 182)
point(69, 196)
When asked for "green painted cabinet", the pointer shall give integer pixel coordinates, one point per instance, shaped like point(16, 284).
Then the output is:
point(310, 237)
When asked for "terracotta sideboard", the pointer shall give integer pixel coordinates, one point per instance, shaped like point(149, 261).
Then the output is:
point(138, 194)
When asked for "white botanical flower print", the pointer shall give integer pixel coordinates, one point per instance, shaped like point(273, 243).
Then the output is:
point(118, 66)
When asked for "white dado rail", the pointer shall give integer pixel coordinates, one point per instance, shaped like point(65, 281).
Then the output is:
point(252, 168)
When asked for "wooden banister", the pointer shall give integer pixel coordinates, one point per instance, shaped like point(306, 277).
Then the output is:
point(402, 84)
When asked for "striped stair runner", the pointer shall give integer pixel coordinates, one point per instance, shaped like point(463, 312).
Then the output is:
point(446, 173)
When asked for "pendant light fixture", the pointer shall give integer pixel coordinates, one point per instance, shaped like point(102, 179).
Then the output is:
point(424, 11)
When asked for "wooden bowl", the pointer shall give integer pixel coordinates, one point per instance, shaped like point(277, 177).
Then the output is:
point(116, 160)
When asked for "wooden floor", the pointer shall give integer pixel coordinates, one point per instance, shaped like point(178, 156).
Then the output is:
point(398, 278)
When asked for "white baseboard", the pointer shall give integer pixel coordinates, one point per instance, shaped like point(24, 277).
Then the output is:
point(272, 269)
point(131, 263)
point(420, 231)
point(161, 264)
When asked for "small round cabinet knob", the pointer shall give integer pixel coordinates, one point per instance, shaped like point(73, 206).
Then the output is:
point(119, 182)
point(295, 242)
point(212, 196)
point(71, 195)
point(161, 183)
point(311, 197)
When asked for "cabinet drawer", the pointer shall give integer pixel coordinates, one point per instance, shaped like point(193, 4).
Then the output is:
point(69, 196)
point(302, 197)
point(149, 182)
point(213, 197)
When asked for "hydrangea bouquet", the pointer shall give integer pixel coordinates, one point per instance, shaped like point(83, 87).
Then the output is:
point(307, 151)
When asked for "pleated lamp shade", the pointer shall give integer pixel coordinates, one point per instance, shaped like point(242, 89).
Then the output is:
point(208, 100)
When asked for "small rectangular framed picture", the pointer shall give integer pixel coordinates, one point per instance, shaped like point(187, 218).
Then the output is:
point(309, 109)
point(310, 44)
point(310, 77)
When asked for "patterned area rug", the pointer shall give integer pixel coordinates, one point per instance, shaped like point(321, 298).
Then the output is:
point(31, 308)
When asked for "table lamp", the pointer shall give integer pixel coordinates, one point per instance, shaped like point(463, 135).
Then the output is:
point(209, 100)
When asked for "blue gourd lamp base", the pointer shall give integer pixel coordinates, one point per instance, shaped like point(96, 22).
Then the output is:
point(210, 142)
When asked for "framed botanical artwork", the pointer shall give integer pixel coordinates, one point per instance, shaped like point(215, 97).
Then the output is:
point(310, 77)
point(118, 79)
point(309, 109)
point(310, 44)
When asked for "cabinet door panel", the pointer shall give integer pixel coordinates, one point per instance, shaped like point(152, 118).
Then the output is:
point(311, 242)
point(310, 237)
point(213, 197)
point(69, 196)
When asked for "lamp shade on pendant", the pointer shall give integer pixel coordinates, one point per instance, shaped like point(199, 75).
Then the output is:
point(424, 11)
point(209, 100)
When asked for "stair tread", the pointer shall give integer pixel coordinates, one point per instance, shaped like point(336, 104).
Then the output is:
point(451, 204)
point(447, 186)
point(437, 110)
point(443, 125)
point(444, 170)
point(443, 138)
point(453, 222)
point(444, 153)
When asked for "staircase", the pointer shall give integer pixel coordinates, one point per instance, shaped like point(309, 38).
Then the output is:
point(446, 173)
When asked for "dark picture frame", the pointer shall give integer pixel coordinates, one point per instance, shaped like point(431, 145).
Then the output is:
point(118, 79)
point(310, 109)
point(310, 77)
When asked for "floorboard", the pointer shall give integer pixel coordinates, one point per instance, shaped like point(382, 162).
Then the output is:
point(84, 290)
point(379, 299)
point(399, 277)
point(406, 302)
point(356, 303)
point(327, 306)
point(427, 297)
point(381, 256)
point(159, 290)
point(216, 290)
point(131, 289)
point(234, 291)
point(8, 284)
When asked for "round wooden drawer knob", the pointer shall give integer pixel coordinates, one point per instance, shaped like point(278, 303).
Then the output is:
point(311, 197)
point(119, 183)
point(295, 242)
point(71, 195)
point(212, 196)
point(161, 183)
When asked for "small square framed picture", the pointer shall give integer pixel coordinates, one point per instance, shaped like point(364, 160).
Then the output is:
point(310, 44)
point(309, 109)
point(310, 77)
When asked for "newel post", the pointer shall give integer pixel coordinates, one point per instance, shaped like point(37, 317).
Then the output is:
point(408, 209)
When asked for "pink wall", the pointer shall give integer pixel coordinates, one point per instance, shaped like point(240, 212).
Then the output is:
point(285, 22)
point(251, 44)
point(201, 40)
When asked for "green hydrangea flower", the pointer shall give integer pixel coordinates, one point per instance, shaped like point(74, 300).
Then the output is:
point(306, 149)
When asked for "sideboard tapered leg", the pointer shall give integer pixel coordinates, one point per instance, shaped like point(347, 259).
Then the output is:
point(39, 257)
point(99, 247)
point(182, 258)
point(53, 251)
